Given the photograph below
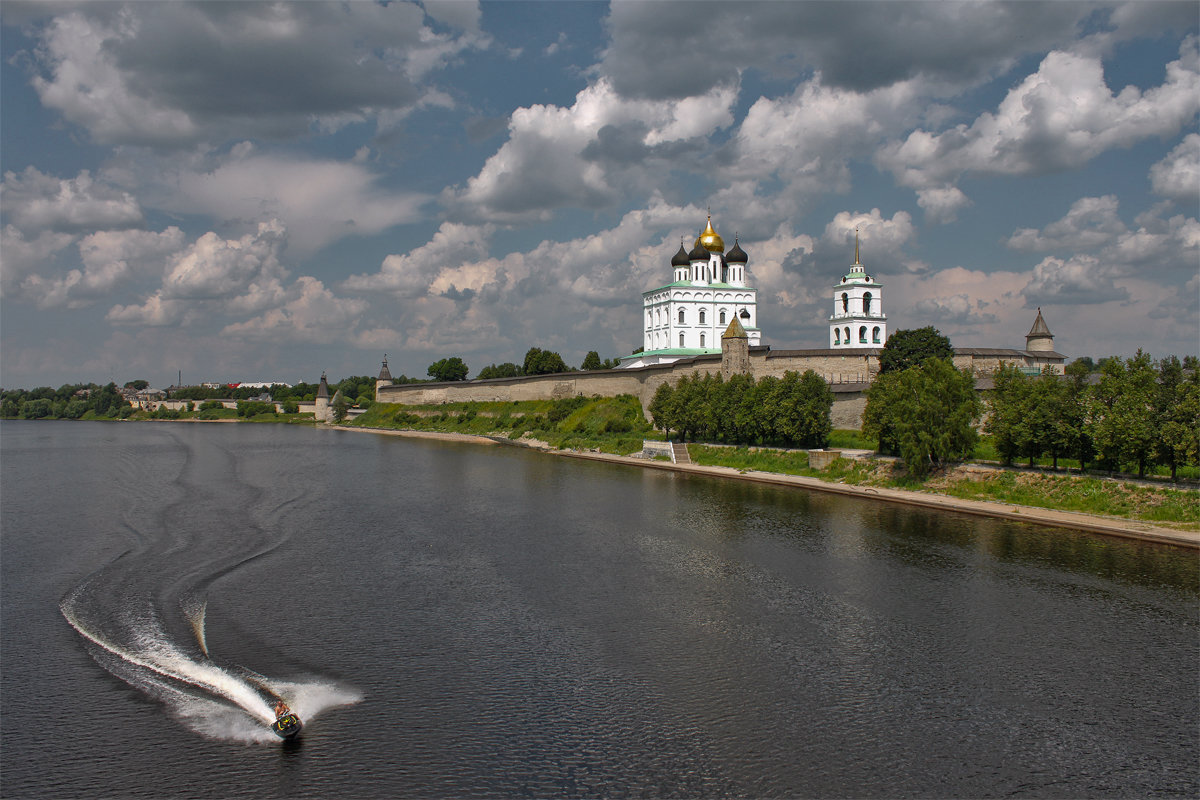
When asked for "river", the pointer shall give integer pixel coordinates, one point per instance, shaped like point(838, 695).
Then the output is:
point(453, 620)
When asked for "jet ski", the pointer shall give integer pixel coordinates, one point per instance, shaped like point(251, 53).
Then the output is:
point(286, 724)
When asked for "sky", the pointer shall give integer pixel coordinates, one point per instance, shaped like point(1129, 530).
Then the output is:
point(247, 191)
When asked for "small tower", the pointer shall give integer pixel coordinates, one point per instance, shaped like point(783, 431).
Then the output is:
point(735, 350)
point(384, 379)
point(858, 321)
point(321, 407)
point(1039, 339)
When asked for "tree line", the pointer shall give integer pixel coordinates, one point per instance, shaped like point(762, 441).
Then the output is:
point(537, 362)
point(69, 401)
point(791, 411)
point(1136, 413)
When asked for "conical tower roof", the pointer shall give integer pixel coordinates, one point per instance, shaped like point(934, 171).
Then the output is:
point(735, 330)
point(323, 389)
point(1039, 329)
point(385, 374)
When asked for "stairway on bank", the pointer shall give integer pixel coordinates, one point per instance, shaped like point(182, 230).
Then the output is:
point(680, 453)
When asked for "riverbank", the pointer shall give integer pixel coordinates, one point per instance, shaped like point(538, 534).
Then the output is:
point(1090, 523)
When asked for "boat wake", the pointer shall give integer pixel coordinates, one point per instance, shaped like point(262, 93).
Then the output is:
point(143, 615)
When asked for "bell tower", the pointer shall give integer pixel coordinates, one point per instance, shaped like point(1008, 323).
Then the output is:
point(858, 321)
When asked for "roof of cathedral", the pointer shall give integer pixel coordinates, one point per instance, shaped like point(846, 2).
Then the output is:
point(712, 240)
point(680, 259)
point(1039, 327)
point(735, 330)
point(737, 255)
point(699, 252)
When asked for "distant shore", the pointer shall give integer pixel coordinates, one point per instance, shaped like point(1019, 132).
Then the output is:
point(1089, 523)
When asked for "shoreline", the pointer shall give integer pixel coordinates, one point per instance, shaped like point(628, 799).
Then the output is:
point(1071, 520)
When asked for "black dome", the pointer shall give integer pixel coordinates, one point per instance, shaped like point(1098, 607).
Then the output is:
point(699, 253)
point(737, 255)
point(681, 258)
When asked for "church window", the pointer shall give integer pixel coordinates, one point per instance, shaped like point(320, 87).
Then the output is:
point(862, 333)
point(875, 335)
point(702, 340)
point(681, 336)
point(845, 303)
point(847, 336)
point(837, 336)
point(702, 317)
point(681, 317)
point(722, 316)
point(866, 304)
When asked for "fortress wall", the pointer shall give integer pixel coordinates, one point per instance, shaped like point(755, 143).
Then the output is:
point(848, 372)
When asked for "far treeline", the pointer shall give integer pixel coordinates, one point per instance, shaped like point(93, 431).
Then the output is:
point(537, 362)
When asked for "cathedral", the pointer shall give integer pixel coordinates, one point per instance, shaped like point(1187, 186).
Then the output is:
point(687, 317)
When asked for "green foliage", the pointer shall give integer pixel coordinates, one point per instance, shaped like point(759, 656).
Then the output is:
point(137, 385)
point(505, 370)
point(449, 369)
point(926, 414)
point(69, 401)
point(591, 361)
point(340, 408)
point(793, 410)
point(910, 348)
point(543, 362)
point(252, 408)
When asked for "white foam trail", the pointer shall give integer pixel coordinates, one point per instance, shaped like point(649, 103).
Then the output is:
point(196, 611)
point(165, 660)
point(249, 716)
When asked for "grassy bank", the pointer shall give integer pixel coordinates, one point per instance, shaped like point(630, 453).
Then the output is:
point(607, 424)
point(1179, 508)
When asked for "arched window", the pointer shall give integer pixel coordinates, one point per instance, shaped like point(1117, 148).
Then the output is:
point(681, 316)
point(845, 303)
point(875, 335)
point(702, 322)
point(681, 336)
point(702, 340)
point(846, 338)
point(722, 316)
point(837, 336)
point(862, 334)
point(867, 304)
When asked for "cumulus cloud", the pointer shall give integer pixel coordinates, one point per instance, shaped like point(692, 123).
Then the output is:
point(318, 200)
point(20, 256)
point(110, 258)
point(1081, 280)
point(309, 313)
point(681, 49)
point(160, 73)
point(582, 156)
point(35, 201)
point(1058, 118)
point(411, 274)
point(1178, 175)
point(1092, 222)
point(942, 203)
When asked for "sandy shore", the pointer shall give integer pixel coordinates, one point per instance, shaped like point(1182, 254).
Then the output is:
point(1091, 523)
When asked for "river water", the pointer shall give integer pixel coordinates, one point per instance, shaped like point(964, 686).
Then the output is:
point(454, 620)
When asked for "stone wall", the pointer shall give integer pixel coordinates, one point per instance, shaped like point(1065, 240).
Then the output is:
point(849, 374)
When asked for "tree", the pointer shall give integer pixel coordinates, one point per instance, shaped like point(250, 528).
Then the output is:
point(340, 407)
point(505, 370)
point(910, 348)
point(1177, 408)
point(137, 385)
point(449, 369)
point(1008, 404)
point(662, 408)
point(591, 361)
point(543, 362)
point(927, 413)
point(1085, 363)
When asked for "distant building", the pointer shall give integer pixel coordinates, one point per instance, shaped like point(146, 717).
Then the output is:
point(687, 317)
point(858, 320)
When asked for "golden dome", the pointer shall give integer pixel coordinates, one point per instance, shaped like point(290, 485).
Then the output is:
point(712, 240)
